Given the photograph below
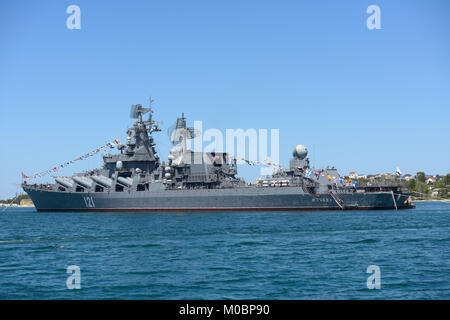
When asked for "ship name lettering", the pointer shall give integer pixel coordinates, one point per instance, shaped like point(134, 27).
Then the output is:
point(320, 200)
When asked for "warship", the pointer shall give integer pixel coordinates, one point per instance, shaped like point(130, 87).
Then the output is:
point(136, 180)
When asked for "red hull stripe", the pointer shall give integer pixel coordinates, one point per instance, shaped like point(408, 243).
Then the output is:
point(213, 209)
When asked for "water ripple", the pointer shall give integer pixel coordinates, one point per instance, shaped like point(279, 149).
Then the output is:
point(265, 255)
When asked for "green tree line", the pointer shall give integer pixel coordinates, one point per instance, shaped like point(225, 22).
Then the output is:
point(419, 185)
point(16, 200)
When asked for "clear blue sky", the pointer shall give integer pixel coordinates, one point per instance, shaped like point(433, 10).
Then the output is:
point(363, 100)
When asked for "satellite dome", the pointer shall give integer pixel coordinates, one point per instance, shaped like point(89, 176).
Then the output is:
point(300, 152)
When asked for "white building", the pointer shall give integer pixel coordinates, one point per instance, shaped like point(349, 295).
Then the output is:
point(353, 175)
point(407, 177)
point(430, 180)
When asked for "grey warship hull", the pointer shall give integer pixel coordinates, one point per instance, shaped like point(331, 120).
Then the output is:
point(243, 199)
point(136, 180)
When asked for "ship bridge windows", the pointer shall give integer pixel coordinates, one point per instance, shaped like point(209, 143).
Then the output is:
point(142, 187)
point(126, 174)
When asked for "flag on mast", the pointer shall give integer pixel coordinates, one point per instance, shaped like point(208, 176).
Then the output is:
point(398, 172)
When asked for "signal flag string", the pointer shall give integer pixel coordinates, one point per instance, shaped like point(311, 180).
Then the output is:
point(306, 170)
point(109, 145)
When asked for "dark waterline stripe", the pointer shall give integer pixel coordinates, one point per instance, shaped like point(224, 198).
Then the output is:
point(216, 209)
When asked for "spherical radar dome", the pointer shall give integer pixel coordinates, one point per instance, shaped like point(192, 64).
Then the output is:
point(300, 152)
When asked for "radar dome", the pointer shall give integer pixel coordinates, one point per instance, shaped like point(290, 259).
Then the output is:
point(300, 152)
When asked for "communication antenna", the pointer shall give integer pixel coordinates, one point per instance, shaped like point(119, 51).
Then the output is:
point(150, 101)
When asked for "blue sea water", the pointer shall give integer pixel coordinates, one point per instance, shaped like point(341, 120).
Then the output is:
point(242, 255)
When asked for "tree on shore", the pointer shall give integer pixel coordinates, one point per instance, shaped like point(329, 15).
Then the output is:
point(15, 200)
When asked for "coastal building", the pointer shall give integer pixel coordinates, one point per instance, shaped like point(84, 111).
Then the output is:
point(430, 180)
point(353, 175)
point(407, 177)
point(389, 176)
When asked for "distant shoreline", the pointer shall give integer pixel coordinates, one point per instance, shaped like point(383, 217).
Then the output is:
point(17, 206)
point(32, 206)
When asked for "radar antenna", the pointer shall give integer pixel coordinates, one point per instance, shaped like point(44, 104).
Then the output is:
point(137, 111)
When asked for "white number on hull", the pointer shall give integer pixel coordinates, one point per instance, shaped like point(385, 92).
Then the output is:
point(89, 201)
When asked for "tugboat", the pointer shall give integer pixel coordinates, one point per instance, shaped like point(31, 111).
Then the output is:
point(136, 180)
